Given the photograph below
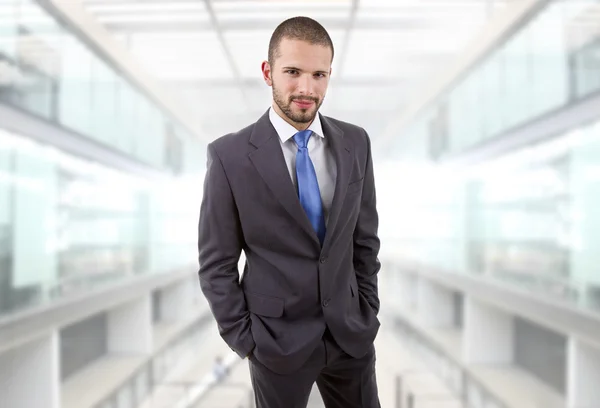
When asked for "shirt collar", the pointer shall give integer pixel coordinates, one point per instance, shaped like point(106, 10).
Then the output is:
point(287, 131)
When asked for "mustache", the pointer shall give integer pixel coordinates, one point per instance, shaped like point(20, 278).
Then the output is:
point(304, 98)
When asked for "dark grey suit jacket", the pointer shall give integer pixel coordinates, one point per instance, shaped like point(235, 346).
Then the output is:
point(292, 289)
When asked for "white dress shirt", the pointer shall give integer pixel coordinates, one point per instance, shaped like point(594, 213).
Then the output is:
point(318, 150)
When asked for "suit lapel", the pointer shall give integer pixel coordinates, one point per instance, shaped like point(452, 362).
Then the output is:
point(269, 162)
point(343, 159)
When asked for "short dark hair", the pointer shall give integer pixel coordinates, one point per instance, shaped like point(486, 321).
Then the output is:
point(299, 28)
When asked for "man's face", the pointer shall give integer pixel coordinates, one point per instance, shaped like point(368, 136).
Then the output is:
point(299, 77)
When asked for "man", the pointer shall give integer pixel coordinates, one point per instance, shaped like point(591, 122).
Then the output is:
point(295, 191)
point(220, 370)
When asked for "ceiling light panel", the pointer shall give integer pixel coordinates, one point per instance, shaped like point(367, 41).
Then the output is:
point(268, 14)
point(425, 13)
point(397, 53)
point(171, 17)
point(182, 55)
point(443, 16)
point(259, 6)
point(281, 15)
point(433, 4)
point(146, 7)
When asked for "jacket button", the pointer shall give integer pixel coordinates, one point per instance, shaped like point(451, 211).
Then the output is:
point(323, 260)
point(326, 303)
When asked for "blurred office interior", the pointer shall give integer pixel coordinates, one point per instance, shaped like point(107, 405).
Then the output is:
point(485, 121)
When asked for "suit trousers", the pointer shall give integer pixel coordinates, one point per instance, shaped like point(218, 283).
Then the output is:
point(343, 381)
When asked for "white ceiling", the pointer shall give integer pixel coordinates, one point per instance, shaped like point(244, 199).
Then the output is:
point(209, 52)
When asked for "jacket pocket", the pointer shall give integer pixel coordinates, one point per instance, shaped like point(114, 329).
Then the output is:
point(263, 305)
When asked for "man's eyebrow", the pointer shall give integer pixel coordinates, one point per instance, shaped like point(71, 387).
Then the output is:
point(298, 69)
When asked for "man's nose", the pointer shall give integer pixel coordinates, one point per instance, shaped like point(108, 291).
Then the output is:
point(305, 85)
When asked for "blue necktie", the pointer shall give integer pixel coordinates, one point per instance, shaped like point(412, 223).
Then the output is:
point(308, 186)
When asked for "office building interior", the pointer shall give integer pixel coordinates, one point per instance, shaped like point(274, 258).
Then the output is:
point(484, 118)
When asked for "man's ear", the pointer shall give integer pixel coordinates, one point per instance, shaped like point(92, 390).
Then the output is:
point(266, 70)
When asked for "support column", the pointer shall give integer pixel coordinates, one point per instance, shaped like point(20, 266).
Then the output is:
point(435, 304)
point(488, 334)
point(130, 327)
point(177, 301)
point(583, 374)
point(30, 374)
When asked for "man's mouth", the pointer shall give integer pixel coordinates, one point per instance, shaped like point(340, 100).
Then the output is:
point(303, 103)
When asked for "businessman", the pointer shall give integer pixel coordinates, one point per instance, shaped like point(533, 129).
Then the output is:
point(295, 191)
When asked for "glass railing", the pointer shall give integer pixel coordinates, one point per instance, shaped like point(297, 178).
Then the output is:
point(47, 70)
point(551, 61)
point(69, 225)
point(528, 219)
point(533, 219)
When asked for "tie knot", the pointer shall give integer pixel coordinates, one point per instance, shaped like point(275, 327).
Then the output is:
point(302, 137)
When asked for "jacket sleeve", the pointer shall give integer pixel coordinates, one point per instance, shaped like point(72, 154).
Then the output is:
point(220, 243)
point(366, 241)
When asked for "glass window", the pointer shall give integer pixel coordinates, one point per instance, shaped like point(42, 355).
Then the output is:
point(8, 28)
point(531, 220)
point(128, 106)
point(105, 202)
point(492, 97)
point(549, 76)
point(519, 225)
point(142, 133)
point(68, 225)
point(586, 73)
point(103, 102)
point(553, 59)
point(47, 70)
point(516, 55)
point(585, 186)
point(534, 225)
point(149, 134)
point(38, 58)
point(457, 117)
point(34, 219)
point(582, 34)
point(75, 86)
point(473, 114)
